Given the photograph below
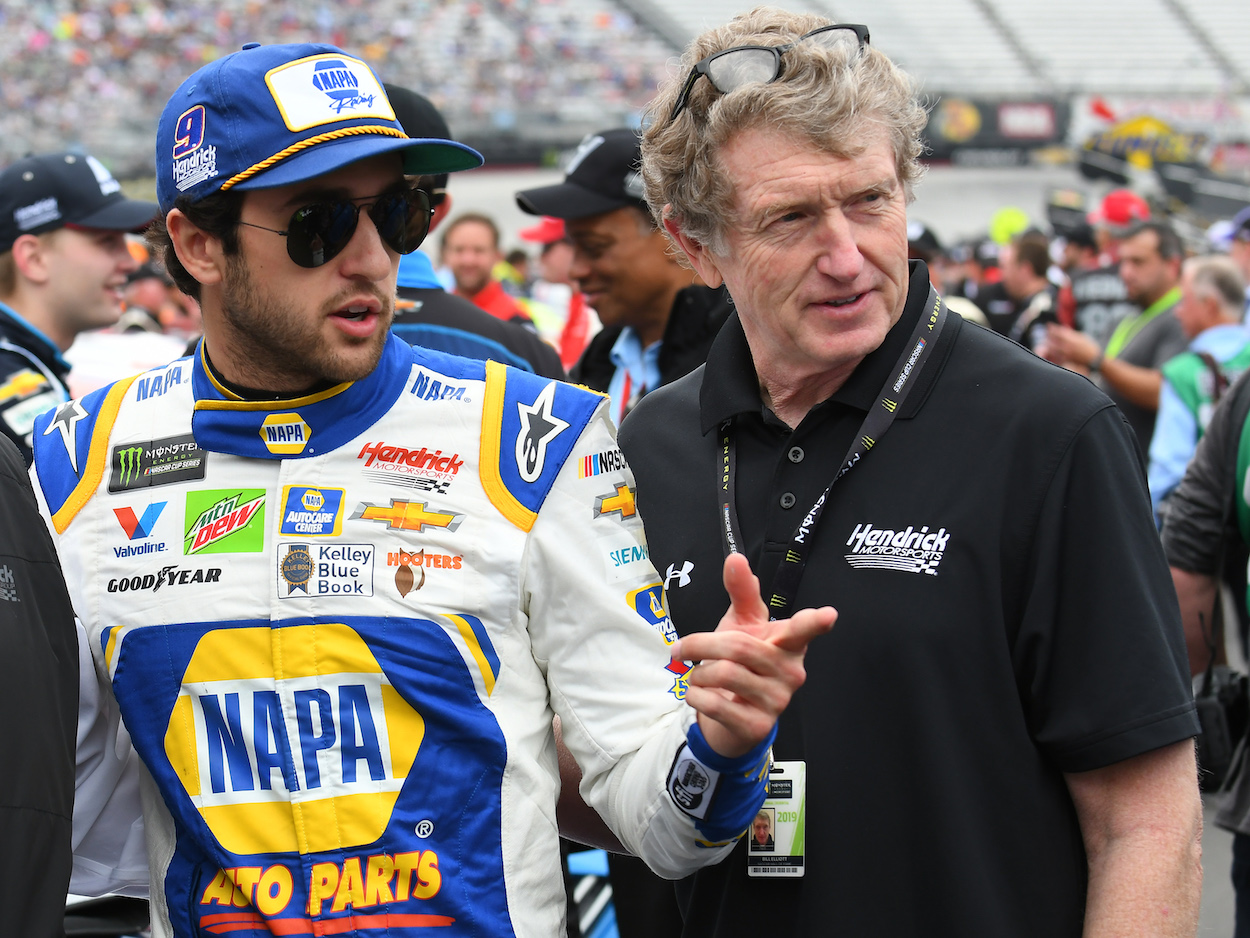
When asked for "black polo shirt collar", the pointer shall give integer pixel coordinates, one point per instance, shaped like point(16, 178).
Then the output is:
point(731, 387)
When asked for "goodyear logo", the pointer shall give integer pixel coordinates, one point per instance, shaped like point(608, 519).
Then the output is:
point(311, 512)
point(225, 521)
point(291, 739)
point(285, 434)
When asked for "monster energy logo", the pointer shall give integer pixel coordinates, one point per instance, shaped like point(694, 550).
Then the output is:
point(156, 462)
point(129, 463)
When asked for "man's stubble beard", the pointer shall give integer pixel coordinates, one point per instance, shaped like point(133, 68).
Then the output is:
point(284, 344)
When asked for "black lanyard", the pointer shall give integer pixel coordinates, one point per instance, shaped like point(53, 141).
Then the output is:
point(880, 417)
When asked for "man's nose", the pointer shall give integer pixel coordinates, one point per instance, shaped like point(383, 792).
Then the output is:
point(840, 257)
point(366, 255)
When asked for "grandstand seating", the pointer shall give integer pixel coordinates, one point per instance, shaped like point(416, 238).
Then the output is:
point(999, 47)
point(94, 73)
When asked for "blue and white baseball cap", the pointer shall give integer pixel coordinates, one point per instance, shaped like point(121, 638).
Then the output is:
point(269, 116)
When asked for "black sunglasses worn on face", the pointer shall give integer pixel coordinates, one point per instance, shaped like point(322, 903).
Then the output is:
point(730, 69)
point(317, 233)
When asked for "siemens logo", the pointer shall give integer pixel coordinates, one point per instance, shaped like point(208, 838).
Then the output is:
point(628, 555)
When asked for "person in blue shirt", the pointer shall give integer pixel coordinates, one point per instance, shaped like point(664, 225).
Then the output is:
point(1212, 292)
point(425, 313)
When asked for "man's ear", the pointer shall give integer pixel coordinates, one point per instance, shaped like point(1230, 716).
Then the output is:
point(701, 259)
point(30, 257)
point(199, 252)
point(441, 211)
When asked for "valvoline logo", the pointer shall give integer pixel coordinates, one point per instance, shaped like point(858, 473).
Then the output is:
point(138, 528)
point(291, 739)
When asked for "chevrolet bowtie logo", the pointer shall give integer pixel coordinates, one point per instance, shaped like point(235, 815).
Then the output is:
point(408, 516)
point(621, 500)
point(22, 384)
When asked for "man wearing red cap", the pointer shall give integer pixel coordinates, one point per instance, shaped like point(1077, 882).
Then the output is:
point(556, 290)
point(1095, 300)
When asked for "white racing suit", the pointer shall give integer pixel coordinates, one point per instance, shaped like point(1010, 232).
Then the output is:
point(337, 628)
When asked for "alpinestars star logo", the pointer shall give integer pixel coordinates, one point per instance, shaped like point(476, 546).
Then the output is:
point(909, 550)
point(65, 421)
point(539, 426)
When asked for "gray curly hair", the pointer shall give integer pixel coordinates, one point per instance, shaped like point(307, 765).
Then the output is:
point(830, 98)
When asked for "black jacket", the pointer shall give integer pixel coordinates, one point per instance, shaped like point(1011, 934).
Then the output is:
point(434, 318)
point(39, 698)
point(697, 315)
point(32, 378)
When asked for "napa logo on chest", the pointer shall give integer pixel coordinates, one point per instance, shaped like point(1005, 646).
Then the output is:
point(225, 521)
point(285, 434)
point(291, 739)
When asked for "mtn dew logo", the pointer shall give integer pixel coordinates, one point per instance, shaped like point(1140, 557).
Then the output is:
point(225, 521)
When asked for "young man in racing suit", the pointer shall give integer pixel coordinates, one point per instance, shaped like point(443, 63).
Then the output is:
point(337, 586)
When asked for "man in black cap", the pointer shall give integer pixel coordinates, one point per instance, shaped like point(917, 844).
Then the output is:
point(63, 266)
point(425, 313)
point(658, 326)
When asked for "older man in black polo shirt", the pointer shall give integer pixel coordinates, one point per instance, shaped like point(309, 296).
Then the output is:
point(996, 738)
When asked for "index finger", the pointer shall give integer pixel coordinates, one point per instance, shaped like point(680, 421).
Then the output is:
point(743, 588)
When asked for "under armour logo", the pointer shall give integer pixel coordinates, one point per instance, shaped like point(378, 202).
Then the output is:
point(682, 576)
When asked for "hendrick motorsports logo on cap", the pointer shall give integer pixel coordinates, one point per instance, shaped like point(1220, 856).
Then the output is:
point(192, 164)
point(325, 89)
